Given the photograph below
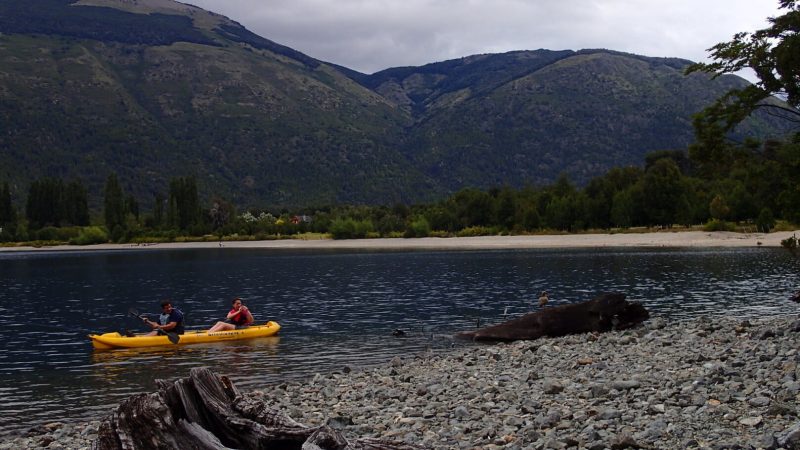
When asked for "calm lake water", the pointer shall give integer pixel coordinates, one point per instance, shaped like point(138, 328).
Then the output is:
point(337, 309)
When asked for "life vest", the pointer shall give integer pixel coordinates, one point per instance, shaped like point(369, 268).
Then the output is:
point(239, 319)
point(174, 316)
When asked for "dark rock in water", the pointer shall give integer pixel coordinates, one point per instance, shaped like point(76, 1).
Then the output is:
point(795, 297)
point(605, 312)
point(398, 333)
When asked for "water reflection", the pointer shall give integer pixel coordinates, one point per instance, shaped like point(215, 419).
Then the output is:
point(336, 309)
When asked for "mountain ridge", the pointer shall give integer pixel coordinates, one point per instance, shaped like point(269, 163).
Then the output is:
point(262, 124)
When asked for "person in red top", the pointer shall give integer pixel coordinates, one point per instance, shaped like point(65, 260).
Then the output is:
point(238, 317)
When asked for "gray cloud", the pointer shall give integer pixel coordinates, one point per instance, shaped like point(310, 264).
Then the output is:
point(371, 35)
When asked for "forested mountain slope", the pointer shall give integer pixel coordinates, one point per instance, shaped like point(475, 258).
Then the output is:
point(154, 89)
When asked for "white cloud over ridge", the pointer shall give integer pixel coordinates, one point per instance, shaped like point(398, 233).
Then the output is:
point(372, 35)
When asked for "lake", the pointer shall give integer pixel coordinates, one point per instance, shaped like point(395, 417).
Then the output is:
point(337, 309)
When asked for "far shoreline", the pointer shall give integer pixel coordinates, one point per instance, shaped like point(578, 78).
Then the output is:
point(659, 239)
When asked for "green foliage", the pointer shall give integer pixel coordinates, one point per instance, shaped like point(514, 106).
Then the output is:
point(131, 206)
point(506, 210)
point(158, 211)
point(772, 54)
point(52, 203)
point(679, 157)
point(719, 208)
point(90, 236)
point(44, 206)
point(8, 215)
point(476, 231)
point(718, 225)
point(183, 212)
point(114, 204)
point(765, 221)
point(441, 217)
point(531, 219)
point(350, 229)
point(221, 213)
point(624, 209)
point(663, 192)
point(55, 234)
point(75, 204)
point(418, 228)
point(118, 234)
point(473, 207)
point(790, 242)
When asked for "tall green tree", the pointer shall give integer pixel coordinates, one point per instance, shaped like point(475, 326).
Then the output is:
point(221, 213)
point(184, 204)
point(506, 209)
point(773, 53)
point(132, 206)
point(8, 214)
point(113, 204)
point(601, 192)
point(473, 208)
point(45, 206)
point(158, 211)
point(663, 190)
point(76, 203)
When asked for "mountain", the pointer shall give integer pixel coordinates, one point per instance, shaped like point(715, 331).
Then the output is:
point(154, 89)
point(87, 90)
point(527, 116)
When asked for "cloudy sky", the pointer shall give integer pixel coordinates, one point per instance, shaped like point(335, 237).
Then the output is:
point(371, 35)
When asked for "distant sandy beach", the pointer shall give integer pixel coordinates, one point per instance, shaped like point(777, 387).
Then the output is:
point(677, 239)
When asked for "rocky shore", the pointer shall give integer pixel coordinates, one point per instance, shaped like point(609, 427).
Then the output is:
point(709, 383)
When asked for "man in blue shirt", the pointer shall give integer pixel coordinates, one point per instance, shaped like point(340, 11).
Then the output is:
point(170, 320)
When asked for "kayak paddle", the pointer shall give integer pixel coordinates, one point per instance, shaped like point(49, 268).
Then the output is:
point(173, 337)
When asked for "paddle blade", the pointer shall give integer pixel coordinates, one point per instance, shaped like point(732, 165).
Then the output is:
point(173, 337)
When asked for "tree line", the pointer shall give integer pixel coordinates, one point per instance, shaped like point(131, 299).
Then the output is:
point(756, 185)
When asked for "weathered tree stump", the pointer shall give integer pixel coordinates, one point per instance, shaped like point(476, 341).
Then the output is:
point(605, 312)
point(206, 412)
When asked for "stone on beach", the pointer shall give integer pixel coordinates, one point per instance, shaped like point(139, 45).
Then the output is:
point(699, 384)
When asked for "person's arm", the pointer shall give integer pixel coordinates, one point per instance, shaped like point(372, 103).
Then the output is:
point(250, 318)
point(167, 327)
point(233, 314)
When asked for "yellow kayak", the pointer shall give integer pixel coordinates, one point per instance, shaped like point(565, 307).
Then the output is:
point(108, 341)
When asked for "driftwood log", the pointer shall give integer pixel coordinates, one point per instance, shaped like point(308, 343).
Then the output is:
point(605, 312)
point(206, 412)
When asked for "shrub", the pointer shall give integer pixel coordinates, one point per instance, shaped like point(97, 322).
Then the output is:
point(6, 235)
point(350, 229)
point(476, 231)
point(57, 234)
point(718, 225)
point(117, 234)
point(89, 236)
point(765, 221)
point(789, 243)
point(418, 228)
